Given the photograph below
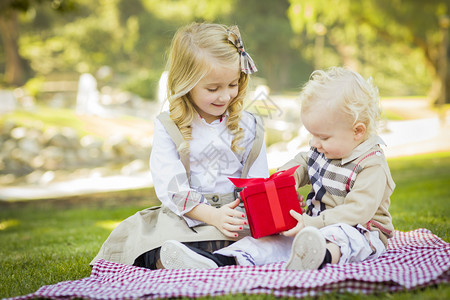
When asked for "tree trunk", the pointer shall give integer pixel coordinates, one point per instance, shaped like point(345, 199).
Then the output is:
point(447, 95)
point(15, 65)
point(445, 98)
point(440, 74)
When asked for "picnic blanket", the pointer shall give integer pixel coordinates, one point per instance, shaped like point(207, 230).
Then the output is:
point(414, 259)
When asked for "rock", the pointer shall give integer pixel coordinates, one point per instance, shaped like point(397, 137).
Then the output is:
point(54, 156)
point(18, 132)
point(46, 178)
point(34, 177)
point(120, 146)
point(9, 101)
point(7, 127)
point(7, 179)
point(29, 146)
point(37, 161)
point(8, 146)
point(38, 156)
point(134, 167)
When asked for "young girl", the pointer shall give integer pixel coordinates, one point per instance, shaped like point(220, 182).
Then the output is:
point(206, 138)
point(347, 217)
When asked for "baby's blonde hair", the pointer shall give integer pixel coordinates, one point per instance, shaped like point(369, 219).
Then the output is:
point(194, 50)
point(344, 89)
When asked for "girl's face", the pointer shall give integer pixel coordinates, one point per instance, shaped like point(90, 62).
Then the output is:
point(212, 95)
point(332, 132)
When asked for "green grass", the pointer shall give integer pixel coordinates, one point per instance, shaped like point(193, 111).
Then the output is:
point(392, 116)
point(45, 242)
point(45, 117)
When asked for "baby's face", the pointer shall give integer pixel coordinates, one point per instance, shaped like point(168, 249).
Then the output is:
point(332, 132)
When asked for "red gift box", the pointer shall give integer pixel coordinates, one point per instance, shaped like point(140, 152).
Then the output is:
point(268, 201)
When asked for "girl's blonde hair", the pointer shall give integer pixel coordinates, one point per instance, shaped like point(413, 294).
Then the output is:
point(342, 89)
point(194, 50)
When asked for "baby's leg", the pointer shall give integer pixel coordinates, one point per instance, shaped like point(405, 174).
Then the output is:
point(309, 250)
point(250, 251)
point(340, 243)
point(335, 252)
point(353, 244)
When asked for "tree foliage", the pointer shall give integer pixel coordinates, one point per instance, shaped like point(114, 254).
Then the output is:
point(16, 67)
point(397, 42)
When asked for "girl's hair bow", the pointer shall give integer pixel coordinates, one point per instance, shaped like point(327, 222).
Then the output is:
point(247, 64)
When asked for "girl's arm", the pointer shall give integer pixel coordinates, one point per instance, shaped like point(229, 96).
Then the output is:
point(169, 176)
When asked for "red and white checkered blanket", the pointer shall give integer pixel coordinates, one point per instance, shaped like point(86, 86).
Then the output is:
point(413, 260)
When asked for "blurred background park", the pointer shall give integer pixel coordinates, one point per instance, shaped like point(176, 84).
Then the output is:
point(79, 91)
point(79, 79)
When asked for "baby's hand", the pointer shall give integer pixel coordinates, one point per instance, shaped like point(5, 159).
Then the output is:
point(229, 220)
point(300, 225)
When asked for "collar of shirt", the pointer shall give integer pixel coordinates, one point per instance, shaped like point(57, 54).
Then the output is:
point(222, 118)
point(363, 147)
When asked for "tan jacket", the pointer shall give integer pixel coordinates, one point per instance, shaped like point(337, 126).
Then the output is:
point(367, 202)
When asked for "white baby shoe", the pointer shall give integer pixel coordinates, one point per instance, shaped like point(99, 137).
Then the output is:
point(308, 250)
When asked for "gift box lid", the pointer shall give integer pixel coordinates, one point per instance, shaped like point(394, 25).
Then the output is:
point(268, 202)
point(281, 182)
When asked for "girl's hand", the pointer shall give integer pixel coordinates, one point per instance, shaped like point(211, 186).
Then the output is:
point(300, 225)
point(229, 220)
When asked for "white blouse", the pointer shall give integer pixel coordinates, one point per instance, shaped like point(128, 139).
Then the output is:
point(211, 161)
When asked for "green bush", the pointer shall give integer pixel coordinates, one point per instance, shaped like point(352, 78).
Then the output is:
point(34, 86)
point(144, 83)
